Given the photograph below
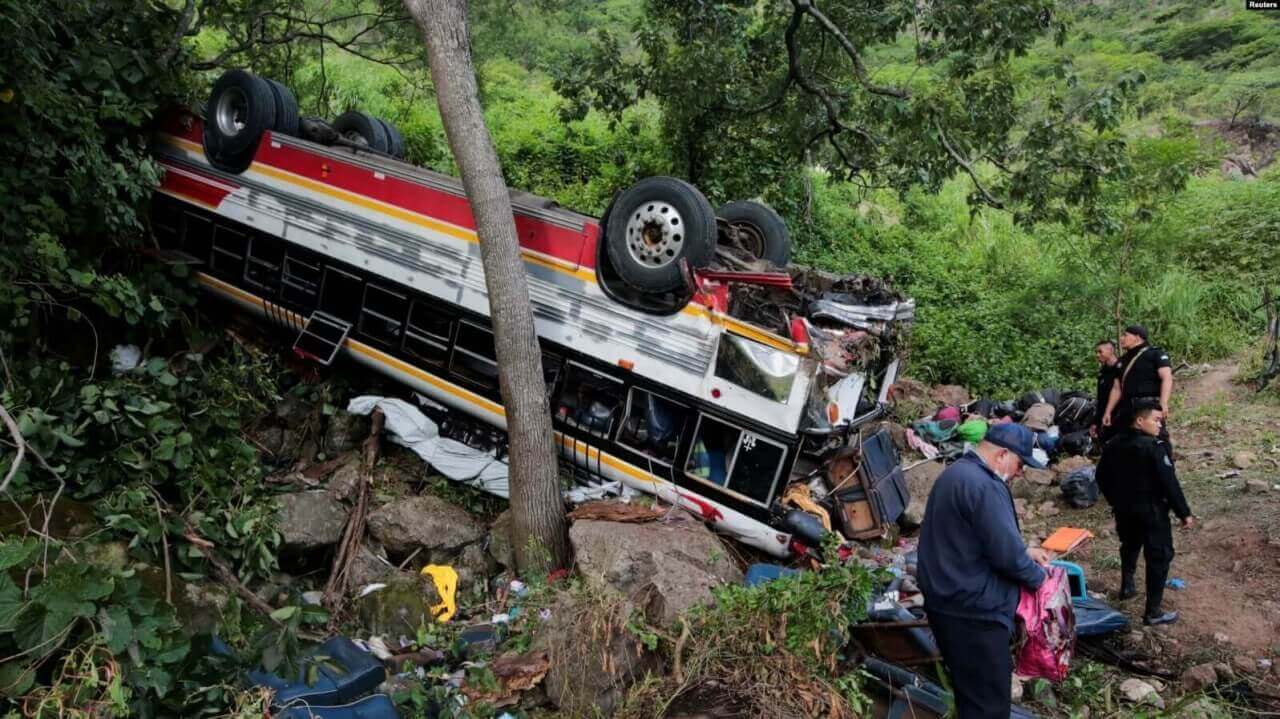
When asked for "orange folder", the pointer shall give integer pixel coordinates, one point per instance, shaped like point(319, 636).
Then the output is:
point(1065, 539)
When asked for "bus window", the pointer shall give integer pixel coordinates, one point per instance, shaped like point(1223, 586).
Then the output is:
point(551, 366)
point(197, 236)
point(653, 425)
point(340, 294)
point(262, 271)
point(426, 339)
point(474, 357)
point(382, 315)
point(229, 250)
point(756, 367)
point(589, 400)
point(300, 282)
point(738, 460)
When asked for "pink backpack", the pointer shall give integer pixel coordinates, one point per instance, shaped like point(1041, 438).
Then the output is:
point(1046, 629)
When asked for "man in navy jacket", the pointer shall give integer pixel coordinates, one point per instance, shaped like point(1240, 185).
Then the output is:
point(972, 564)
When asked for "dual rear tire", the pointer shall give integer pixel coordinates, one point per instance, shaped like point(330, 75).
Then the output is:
point(243, 106)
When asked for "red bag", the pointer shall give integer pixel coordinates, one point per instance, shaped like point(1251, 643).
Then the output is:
point(1046, 629)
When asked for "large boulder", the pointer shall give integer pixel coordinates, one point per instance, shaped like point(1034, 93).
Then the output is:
point(310, 520)
point(293, 411)
point(594, 659)
point(424, 521)
point(345, 480)
point(369, 566)
point(400, 607)
point(345, 431)
point(500, 547)
point(949, 395)
point(667, 567)
point(920, 479)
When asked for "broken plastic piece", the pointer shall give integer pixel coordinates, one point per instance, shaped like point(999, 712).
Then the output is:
point(446, 581)
point(1176, 583)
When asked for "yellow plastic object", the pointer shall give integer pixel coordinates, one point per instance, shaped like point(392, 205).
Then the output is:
point(446, 581)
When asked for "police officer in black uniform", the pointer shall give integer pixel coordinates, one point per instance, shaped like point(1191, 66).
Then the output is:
point(1138, 479)
point(1108, 371)
point(1145, 374)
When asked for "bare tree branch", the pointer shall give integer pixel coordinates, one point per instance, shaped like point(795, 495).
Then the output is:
point(968, 168)
point(859, 69)
point(18, 442)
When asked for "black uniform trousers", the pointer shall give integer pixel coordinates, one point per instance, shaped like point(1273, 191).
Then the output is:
point(1148, 532)
point(979, 662)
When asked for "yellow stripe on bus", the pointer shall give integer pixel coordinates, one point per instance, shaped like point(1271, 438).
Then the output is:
point(733, 325)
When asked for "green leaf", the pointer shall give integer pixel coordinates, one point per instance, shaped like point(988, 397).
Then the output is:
point(14, 552)
point(16, 678)
point(11, 602)
point(117, 628)
point(284, 614)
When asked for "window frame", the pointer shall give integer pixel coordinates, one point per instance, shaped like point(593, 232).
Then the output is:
point(250, 260)
point(732, 463)
point(456, 347)
point(291, 281)
point(219, 231)
point(627, 414)
point(366, 312)
point(566, 375)
point(329, 270)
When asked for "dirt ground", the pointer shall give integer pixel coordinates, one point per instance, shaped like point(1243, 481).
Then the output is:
point(1224, 437)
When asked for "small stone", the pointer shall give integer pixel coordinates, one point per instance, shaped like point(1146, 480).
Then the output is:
point(1243, 460)
point(1237, 566)
point(1221, 638)
point(1048, 509)
point(1224, 670)
point(1257, 486)
point(1139, 692)
point(1244, 664)
point(1020, 506)
point(1136, 637)
point(314, 598)
point(1199, 677)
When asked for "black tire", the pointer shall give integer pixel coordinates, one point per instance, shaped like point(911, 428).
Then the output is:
point(241, 107)
point(220, 158)
point(653, 225)
point(395, 141)
point(358, 126)
point(286, 108)
point(760, 230)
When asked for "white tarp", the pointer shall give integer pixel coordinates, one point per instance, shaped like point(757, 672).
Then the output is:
point(409, 427)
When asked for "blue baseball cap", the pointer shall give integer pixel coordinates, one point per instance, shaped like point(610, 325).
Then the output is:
point(1016, 439)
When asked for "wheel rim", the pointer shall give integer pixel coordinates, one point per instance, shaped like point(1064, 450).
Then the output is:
point(749, 237)
point(655, 234)
point(232, 111)
point(356, 138)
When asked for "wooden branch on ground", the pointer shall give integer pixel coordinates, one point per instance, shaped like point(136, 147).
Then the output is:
point(224, 573)
point(335, 589)
point(18, 442)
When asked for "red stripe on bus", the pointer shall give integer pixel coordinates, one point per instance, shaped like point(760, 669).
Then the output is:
point(204, 190)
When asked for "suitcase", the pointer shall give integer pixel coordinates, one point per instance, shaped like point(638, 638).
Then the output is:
point(869, 485)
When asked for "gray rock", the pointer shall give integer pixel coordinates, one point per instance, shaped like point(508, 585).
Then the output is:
point(1140, 692)
point(345, 480)
point(920, 479)
point(426, 522)
point(1199, 677)
point(1257, 486)
point(345, 431)
point(593, 659)
point(1042, 477)
point(400, 607)
point(270, 439)
point(368, 567)
point(1243, 460)
point(293, 411)
point(310, 520)
point(667, 567)
point(474, 568)
point(500, 547)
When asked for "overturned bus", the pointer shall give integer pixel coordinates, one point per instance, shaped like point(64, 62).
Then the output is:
point(747, 397)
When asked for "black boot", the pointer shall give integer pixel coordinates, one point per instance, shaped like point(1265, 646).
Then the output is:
point(1128, 587)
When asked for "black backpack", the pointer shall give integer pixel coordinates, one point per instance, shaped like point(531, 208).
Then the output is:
point(1075, 412)
point(1050, 396)
point(1076, 444)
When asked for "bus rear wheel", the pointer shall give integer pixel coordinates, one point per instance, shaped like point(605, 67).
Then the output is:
point(758, 230)
point(286, 109)
point(652, 226)
point(363, 129)
point(241, 107)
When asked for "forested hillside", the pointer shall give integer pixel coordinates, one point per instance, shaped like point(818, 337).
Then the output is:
point(1003, 306)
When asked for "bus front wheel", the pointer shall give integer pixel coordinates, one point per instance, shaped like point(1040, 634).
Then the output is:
point(653, 225)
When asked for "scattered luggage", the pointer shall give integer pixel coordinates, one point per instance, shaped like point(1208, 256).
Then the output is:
point(1046, 636)
point(1080, 488)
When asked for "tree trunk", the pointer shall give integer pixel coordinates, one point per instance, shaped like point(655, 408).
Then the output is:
point(540, 534)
